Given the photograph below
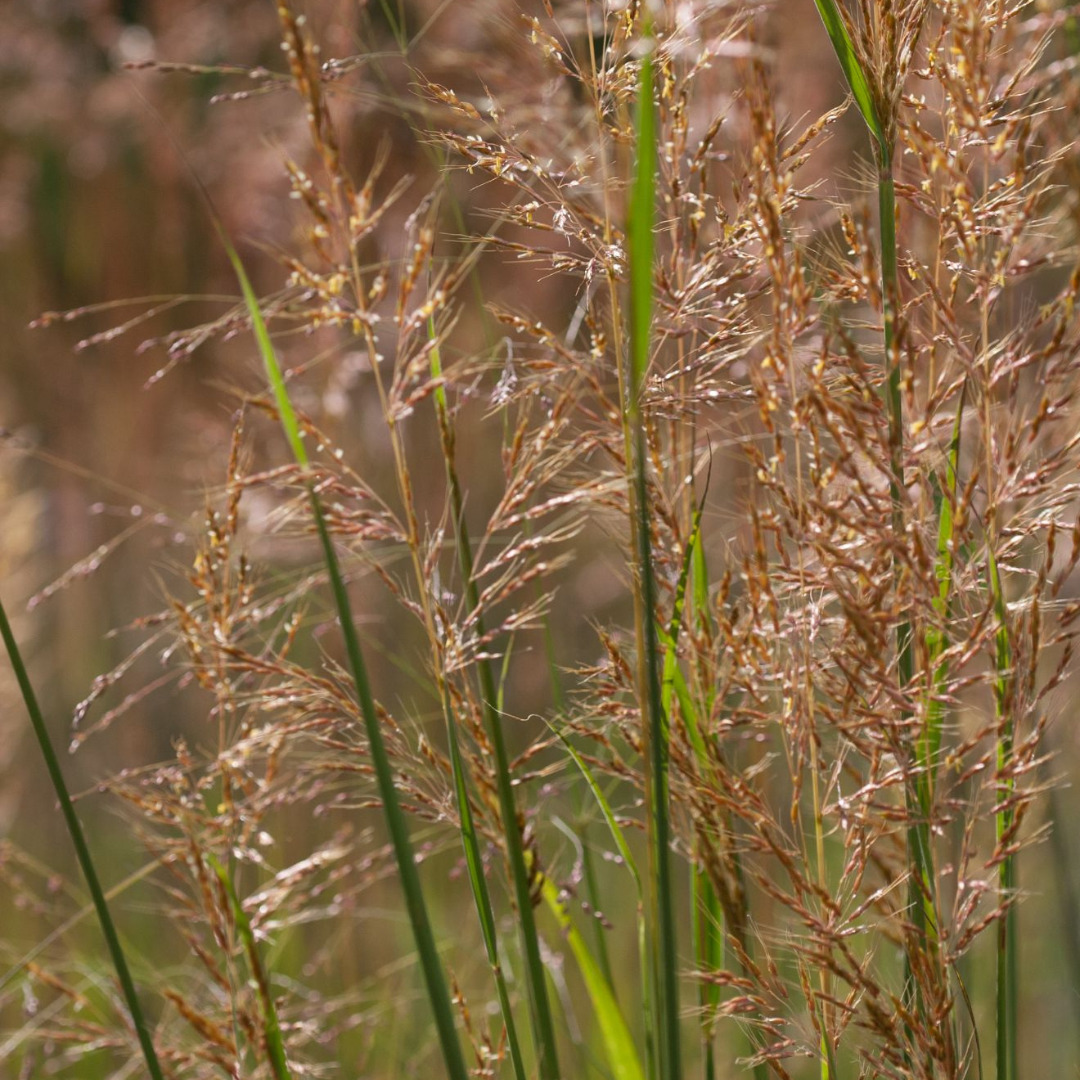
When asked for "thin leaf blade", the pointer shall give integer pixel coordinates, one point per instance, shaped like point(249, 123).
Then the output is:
point(622, 1055)
point(844, 47)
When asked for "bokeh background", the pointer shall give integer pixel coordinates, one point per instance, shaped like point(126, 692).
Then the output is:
point(105, 466)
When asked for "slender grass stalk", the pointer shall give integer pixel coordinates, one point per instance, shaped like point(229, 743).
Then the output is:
point(674, 628)
point(617, 835)
point(630, 863)
point(706, 922)
point(706, 917)
point(622, 1057)
point(82, 850)
point(708, 914)
point(829, 1070)
point(936, 638)
point(1004, 819)
point(657, 733)
point(275, 1045)
point(470, 841)
point(481, 896)
point(431, 966)
point(920, 856)
point(539, 1004)
point(621, 1054)
point(592, 893)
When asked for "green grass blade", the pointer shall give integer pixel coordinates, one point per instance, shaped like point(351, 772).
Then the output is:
point(82, 850)
point(286, 413)
point(670, 637)
point(469, 838)
point(699, 575)
point(844, 47)
point(622, 1055)
point(828, 1053)
point(543, 1024)
point(707, 914)
point(707, 921)
point(605, 809)
point(592, 894)
point(481, 896)
point(890, 300)
point(663, 949)
point(431, 966)
point(627, 855)
point(936, 637)
point(275, 1045)
point(936, 641)
point(674, 681)
point(640, 228)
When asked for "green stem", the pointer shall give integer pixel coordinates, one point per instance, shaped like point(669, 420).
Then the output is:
point(706, 918)
point(592, 892)
point(662, 912)
point(539, 1004)
point(434, 979)
point(272, 1038)
point(82, 850)
point(1007, 974)
point(919, 850)
point(920, 853)
point(481, 896)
